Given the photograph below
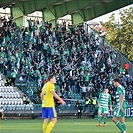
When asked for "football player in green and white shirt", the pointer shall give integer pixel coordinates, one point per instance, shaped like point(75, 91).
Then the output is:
point(104, 101)
point(120, 106)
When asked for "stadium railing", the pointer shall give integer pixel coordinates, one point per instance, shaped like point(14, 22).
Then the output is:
point(1, 67)
point(24, 82)
point(103, 43)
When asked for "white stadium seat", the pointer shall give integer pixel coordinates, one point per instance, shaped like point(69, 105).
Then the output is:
point(11, 99)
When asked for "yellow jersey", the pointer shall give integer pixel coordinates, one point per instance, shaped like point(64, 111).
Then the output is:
point(47, 99)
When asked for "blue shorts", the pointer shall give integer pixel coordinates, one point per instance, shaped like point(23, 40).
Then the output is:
point(48, 112)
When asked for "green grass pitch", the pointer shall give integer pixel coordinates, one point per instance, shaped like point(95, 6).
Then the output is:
point(63, 126)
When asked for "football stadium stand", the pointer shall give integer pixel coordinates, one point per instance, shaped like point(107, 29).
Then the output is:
point(84, 64)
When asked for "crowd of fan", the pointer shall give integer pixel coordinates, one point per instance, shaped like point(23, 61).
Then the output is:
point(80, 64)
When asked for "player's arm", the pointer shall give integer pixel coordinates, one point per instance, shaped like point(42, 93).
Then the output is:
point(121, 102)
point(98, 101)
point(41, 95)
point(110, 102)
point(57, 97)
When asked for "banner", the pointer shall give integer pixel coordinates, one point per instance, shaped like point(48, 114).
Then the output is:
point(128, 112)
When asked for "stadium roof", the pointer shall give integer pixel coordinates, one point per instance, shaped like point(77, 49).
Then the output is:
point(81, 10)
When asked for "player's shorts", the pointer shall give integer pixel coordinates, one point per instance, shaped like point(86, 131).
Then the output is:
point(103, 110)
point(48, 112)
point(118, 112)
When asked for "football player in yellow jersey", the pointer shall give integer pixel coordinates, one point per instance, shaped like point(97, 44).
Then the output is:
point(48, 108)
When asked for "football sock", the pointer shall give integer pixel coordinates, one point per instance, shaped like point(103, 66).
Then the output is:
point(49, 127)
point(99, 119)
point(118, 124)
point(45, 126)
point(2, 116)
point(123, 126)
point(105, 118)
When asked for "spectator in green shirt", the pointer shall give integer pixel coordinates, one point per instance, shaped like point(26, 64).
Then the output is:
point(13, 77)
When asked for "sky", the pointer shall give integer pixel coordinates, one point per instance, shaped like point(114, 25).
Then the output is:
point(105, 17)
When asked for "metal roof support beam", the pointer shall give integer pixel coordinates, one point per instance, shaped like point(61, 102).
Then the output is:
point(48, 14)
point(101, 9)
point(66, 8)
point(20, 6)
point(90, 9)
point(77, 18)
point(94, 10)
point(6, 2)
point(55, 14)
point(35, 5)
point(53, 22)
point(40, 4)
point(23, 8)
point(69, 7)
point(82, 14)
point(17, 13)
point(54, 9)
point(106, 9)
